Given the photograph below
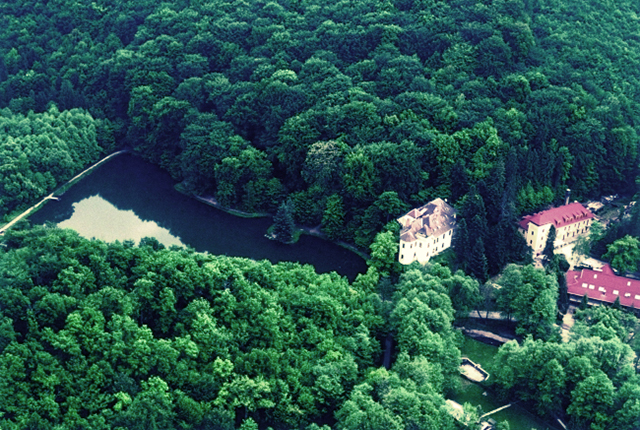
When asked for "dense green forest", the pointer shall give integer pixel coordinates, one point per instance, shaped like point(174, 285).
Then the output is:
point(344, 114)
point(40, 150)
point(101, 336)
point(354, 110)
point(593, 377)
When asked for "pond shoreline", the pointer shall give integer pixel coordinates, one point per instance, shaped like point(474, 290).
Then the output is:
point(59, 191)
point(208, 200)
point(211, 201)
point(132, 184)
point(310, 231)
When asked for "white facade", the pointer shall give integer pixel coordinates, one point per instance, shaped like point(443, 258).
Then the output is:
point(426, 231)
point(570, 221)
point(423, 248)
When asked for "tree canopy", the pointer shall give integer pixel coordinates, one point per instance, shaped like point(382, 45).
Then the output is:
point(100, 336)
point(39, 151)
point(624, 254)
point(591, 379)
point(352, 113)
point(254, 102)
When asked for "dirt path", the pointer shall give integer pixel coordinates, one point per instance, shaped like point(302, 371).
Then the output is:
point(52, 195)
point(567, 323)
point(24, 214)
point(211, 201)
point(484, 334)
point(315, 231)
point(491, 315)
point(90, 168)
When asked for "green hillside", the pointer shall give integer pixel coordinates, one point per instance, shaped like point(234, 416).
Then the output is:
point(350, 113)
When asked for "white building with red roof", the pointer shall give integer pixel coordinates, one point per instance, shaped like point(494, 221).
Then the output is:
point(603, 286)
point(570, 221)
point(426, 231)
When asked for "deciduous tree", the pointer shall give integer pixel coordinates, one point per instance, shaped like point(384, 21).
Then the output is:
point(624, 254)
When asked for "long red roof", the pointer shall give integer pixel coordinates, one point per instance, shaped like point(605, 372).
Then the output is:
point(604, 285)
point(560, 216)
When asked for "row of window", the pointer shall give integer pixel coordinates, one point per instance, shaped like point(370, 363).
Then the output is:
point(561, 229)
point(420, 243)
point(564, 235)
point(415, 254)
point(573, 234)
point(572, 226)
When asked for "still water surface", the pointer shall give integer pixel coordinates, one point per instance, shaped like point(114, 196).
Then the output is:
point(128, 199)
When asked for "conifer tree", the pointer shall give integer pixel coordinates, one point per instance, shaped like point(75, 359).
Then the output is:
point(563, 293)
point(616, 305)
point(478, 262)
point(459, 180)
point(283, 224)
point(492, 192)
point(548, 251)
point(461, 243)
point(584, 303)
point(558, 267)
point(497, 253)
point(473, 209)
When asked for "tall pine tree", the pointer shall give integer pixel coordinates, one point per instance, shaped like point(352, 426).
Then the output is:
point(558, 268)
point(497, 248)
point(478, 262)
point(549, 249)
point(459, 180)
point(461, 244)
point(283, 224)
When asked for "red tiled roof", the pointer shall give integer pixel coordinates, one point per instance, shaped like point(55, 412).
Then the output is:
point(561, 216)
point(605, 283)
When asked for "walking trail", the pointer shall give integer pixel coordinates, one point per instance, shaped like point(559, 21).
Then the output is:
point(567, 323)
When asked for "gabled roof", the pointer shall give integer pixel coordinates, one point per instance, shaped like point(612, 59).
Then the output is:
point(604, 285)
point(432, 219)
point(559, 217)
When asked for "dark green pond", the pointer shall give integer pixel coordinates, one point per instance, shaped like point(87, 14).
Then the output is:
point(518, 418)
point(127, 199)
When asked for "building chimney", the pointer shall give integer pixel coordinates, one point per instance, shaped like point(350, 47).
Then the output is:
point(567, 196)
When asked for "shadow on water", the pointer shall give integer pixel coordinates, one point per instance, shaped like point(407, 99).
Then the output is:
point(131, 184)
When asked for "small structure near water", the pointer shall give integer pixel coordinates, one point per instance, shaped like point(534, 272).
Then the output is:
point(473, 371)
point(489, 424)
point(456, 410)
